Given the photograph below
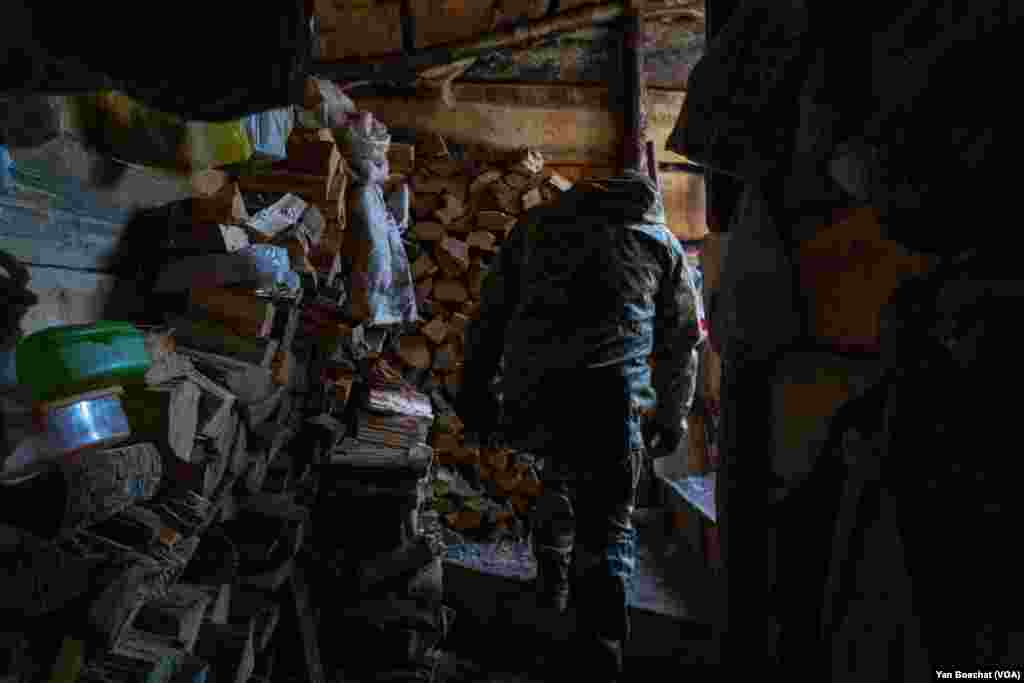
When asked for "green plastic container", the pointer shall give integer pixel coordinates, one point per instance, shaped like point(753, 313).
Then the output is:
point(62, 361)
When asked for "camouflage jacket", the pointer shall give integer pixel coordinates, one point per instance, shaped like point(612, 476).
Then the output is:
point(592, 280)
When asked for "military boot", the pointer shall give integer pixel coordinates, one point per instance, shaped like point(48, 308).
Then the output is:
point(553, 538)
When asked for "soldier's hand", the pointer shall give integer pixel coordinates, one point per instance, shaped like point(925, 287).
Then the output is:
point(662, 438)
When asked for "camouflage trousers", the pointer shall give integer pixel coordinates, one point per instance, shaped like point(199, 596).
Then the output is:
point(583, 535)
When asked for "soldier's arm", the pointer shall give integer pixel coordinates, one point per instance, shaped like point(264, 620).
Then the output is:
point(677, 335)
point(485, 336)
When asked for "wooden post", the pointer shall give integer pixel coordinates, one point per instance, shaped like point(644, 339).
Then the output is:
point(652, 163)
point(632, 87)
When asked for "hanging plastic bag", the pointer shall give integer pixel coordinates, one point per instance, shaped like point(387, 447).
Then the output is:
point(134, 132)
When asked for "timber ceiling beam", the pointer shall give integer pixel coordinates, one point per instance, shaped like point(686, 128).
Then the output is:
point(404, 69)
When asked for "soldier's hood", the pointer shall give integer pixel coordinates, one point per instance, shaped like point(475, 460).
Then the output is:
point(632, 197)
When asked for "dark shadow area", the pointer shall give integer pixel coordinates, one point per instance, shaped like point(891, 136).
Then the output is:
point(140, 256)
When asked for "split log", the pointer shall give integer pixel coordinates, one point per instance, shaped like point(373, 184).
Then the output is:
point(424, 290)
point(167, 368)
point(462, 226)
point(529, 488)
point(470, 309)
point(437, 185)
point(216, 406)
point(452, 210)
point(507, 482)
point(402, 158)
point(220, 605)
point(521, 505)
point(457, 325)
point(225, 206)
point(432, 145)
point(239, 461)
point(208, 182)
point(414, 351)
point(496, 222)
point(468, 456)
point(476, 279)
point(465, 520)
point(429, 232)
point(531, 199)
point(333, 209)
point(327, 261)
point(443, 443)
point(453, 257)
point(310, 187)
point(446, 168)
point(452, 291)
point(424, 205)
point(282, 367)
point(241, 310)
point(316, 158)
point(482, 240)
point(530, 163)
point(504, 197)
point(517, 181)
point(250, 383)
point(483, 180)
point(312, 134)
point(436, 330)
point(177, 615)
point(423, 267)
point(168, 413)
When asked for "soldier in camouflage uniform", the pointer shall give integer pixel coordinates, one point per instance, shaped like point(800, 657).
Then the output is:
point(583, 292)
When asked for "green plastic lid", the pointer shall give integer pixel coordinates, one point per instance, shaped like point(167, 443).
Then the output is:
point(64, 360)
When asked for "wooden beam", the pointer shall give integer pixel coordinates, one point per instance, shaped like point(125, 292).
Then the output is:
point(631, 75)
point(564, 123)
point(403, 69)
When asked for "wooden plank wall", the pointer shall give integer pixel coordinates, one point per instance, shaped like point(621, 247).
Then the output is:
point(66, 223)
